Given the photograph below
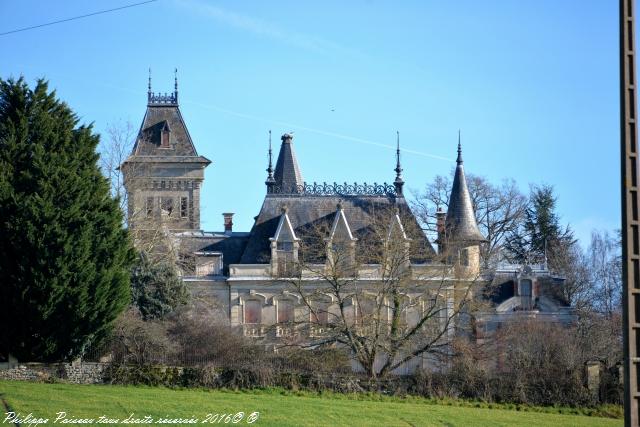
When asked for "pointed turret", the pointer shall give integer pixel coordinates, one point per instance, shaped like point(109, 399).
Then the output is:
point(287, 174)
point(461, 223)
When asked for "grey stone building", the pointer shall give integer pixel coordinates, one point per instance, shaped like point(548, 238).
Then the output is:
point(241, 277)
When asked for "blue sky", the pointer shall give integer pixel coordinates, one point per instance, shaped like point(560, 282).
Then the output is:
point(531, 84)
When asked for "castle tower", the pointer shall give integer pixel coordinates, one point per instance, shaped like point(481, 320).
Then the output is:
point(164, 172)
point(461, 239)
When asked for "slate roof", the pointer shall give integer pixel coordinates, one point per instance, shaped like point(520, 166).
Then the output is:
point(231, 246)
point(164, 115)
point(308, 211)
point(461, 221)
point(287, 173)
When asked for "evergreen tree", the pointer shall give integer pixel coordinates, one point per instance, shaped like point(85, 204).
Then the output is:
point(64, 255)
point(540, 234)
point(156, 289)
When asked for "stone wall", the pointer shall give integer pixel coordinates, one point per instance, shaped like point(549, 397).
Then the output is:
point(76, 372)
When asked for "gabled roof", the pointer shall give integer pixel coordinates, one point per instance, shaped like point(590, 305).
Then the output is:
point(285, 231)
point(307, 212)
point(461, 222)
point(340, 228)
point(287, 174)
point(396, 228)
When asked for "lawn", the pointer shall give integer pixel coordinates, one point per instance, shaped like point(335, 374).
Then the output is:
point(275, 408)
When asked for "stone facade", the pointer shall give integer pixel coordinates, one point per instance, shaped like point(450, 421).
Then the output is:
point(242, 277)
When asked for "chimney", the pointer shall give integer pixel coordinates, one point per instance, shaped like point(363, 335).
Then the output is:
point(228, 222)
point(440, 228)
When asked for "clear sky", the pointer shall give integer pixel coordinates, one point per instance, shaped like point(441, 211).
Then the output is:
point(532, 84)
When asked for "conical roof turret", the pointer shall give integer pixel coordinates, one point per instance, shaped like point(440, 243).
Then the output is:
point(287, 173)
point(461, 222)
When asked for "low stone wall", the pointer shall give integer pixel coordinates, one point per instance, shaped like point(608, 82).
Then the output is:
point(76, 372)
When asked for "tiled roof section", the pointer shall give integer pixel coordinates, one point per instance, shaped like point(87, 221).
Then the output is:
point(309, 212)
point(287, 173)
point(231, 246)
point(461, 220)
point(159, 118)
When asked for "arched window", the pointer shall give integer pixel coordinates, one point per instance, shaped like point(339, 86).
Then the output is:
point(252, 312)
point(285, 313)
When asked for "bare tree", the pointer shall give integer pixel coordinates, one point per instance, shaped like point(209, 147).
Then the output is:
point(499, 209)
point(114, 149)
point(368, 296)
point(604, 256)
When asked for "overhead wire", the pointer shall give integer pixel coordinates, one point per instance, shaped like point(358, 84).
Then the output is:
point(76, 17)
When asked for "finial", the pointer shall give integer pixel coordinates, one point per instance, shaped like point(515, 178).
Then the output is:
point(270, 167)
point(459, 160)
point(398, 169)
point(149, 86)
point(399, 182)
point(270, 179)
point(175, 84)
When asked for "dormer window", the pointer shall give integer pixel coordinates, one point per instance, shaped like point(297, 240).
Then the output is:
point(284, 249)
point(341, 245)
point(165, 136)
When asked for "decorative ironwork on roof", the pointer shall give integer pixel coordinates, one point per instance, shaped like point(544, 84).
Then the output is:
point(335, 189)
point(170, 99)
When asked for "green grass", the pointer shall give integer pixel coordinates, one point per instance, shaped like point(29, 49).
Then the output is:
point(276, 407)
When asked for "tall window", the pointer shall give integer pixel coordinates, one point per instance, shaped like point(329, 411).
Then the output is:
point(184, 211)
point(164, 143)
point(252, 312)
point(285, 311)
point(286, 262)
point(149, 207)
point(366, 310)
point(166, 206)
point(320, 314)
point(464, 257)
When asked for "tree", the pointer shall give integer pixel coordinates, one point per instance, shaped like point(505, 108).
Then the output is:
point(499, 209)
point(64, 256)
point(156, 288)
point(540, 234)
point(369, 296)
point(113, 152)
point(605, 262)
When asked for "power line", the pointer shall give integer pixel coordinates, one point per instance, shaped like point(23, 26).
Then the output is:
point(76, 17)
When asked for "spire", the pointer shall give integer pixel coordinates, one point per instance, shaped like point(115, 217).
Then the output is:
point(287, 173)
point(149, 87)
point(175, 84)
point(461, 222)
point(399, 182)
point(459, 159)
point(270, 180)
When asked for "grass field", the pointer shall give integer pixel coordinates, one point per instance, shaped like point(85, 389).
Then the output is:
point(275, 408)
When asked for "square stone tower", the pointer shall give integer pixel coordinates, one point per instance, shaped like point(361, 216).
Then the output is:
point(164, 172)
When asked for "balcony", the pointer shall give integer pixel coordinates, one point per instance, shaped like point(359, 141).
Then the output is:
point(318, 331)
point(254, 330)
point(285, 331)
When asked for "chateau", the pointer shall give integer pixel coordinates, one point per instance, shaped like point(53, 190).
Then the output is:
point(245, 277)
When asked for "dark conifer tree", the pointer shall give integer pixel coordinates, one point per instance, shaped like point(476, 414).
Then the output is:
point(64, 255)
point(540, 233)
point(156, 289)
